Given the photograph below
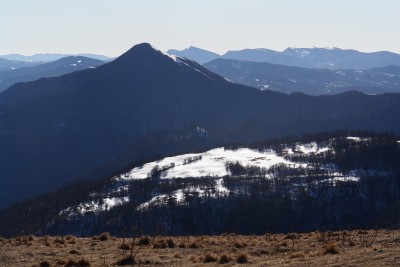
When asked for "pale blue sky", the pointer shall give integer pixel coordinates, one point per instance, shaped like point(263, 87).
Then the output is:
point(113, 26)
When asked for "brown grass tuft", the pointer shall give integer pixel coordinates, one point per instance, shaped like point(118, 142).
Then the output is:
point(298, 254)
point(239, 245)
point(80, 263)
point(160, 244)
point(104, 236)
point(59, 241)
point(126, 261)
point(209, 258)
point(74, 251)
point(242, 258)
point(193, 245)
point(224, 259)
point(44, 264)
point(144, 241)
point(61, 262)
point(170, 243)
point(177, 256)
point(330, 249)
point(124, 247)
point(70, 239)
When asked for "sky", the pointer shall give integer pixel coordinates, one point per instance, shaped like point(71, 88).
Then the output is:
point(110, 27)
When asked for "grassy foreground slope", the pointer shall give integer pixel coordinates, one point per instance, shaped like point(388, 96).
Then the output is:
point(345, 248)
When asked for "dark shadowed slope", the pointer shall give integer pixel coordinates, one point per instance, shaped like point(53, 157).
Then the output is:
point(54, 130)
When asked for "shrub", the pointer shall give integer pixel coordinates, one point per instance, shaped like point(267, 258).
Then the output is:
point(70, 239)
point(126, 261)
point(160, 244)
point(193, 245)
point(73, 251)
point(177, 256)
point(80, 263)
point(209, 258)
point(242, 258)
point(238, 245)
point(144, 241)
point(224, 259)
point(170, 243)
point(330, 249)
point(59, 240)
point(104, 236)
point(124, 247)
point(61, 262)
point(44, 264)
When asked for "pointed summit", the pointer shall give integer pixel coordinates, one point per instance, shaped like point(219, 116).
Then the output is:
point(143, 50)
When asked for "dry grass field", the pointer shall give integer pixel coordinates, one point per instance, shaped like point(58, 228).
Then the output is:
point(345, 248)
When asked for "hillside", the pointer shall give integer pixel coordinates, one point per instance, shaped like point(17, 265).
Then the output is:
point(225, 189)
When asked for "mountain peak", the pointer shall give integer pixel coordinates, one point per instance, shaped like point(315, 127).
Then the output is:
point(141, 48)
point(140, 54)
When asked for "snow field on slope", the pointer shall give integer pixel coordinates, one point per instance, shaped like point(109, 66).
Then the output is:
point(212, 163)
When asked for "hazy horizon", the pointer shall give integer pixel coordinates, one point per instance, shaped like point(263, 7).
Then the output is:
point(102, 27)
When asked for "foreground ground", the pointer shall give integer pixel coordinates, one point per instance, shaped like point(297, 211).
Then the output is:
point(345, 248)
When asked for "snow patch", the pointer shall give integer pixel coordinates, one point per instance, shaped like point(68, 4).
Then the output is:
point(309, 148)
point(357, 139)
point(208, 164)
point(95, 206)
point(179, 196)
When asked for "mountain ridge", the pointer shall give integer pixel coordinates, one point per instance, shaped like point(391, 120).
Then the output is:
point(289, 79)
point(46, 57)
point(51, 69)
point(319, 58)
point(55, 130)
point(199, 55)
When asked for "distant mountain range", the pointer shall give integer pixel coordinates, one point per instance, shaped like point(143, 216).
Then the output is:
point(199, 55)
point(145, 103)
point(51, 69)
point(47, 57)
point(7, 64)
point(319, 58)
point(287, 79)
